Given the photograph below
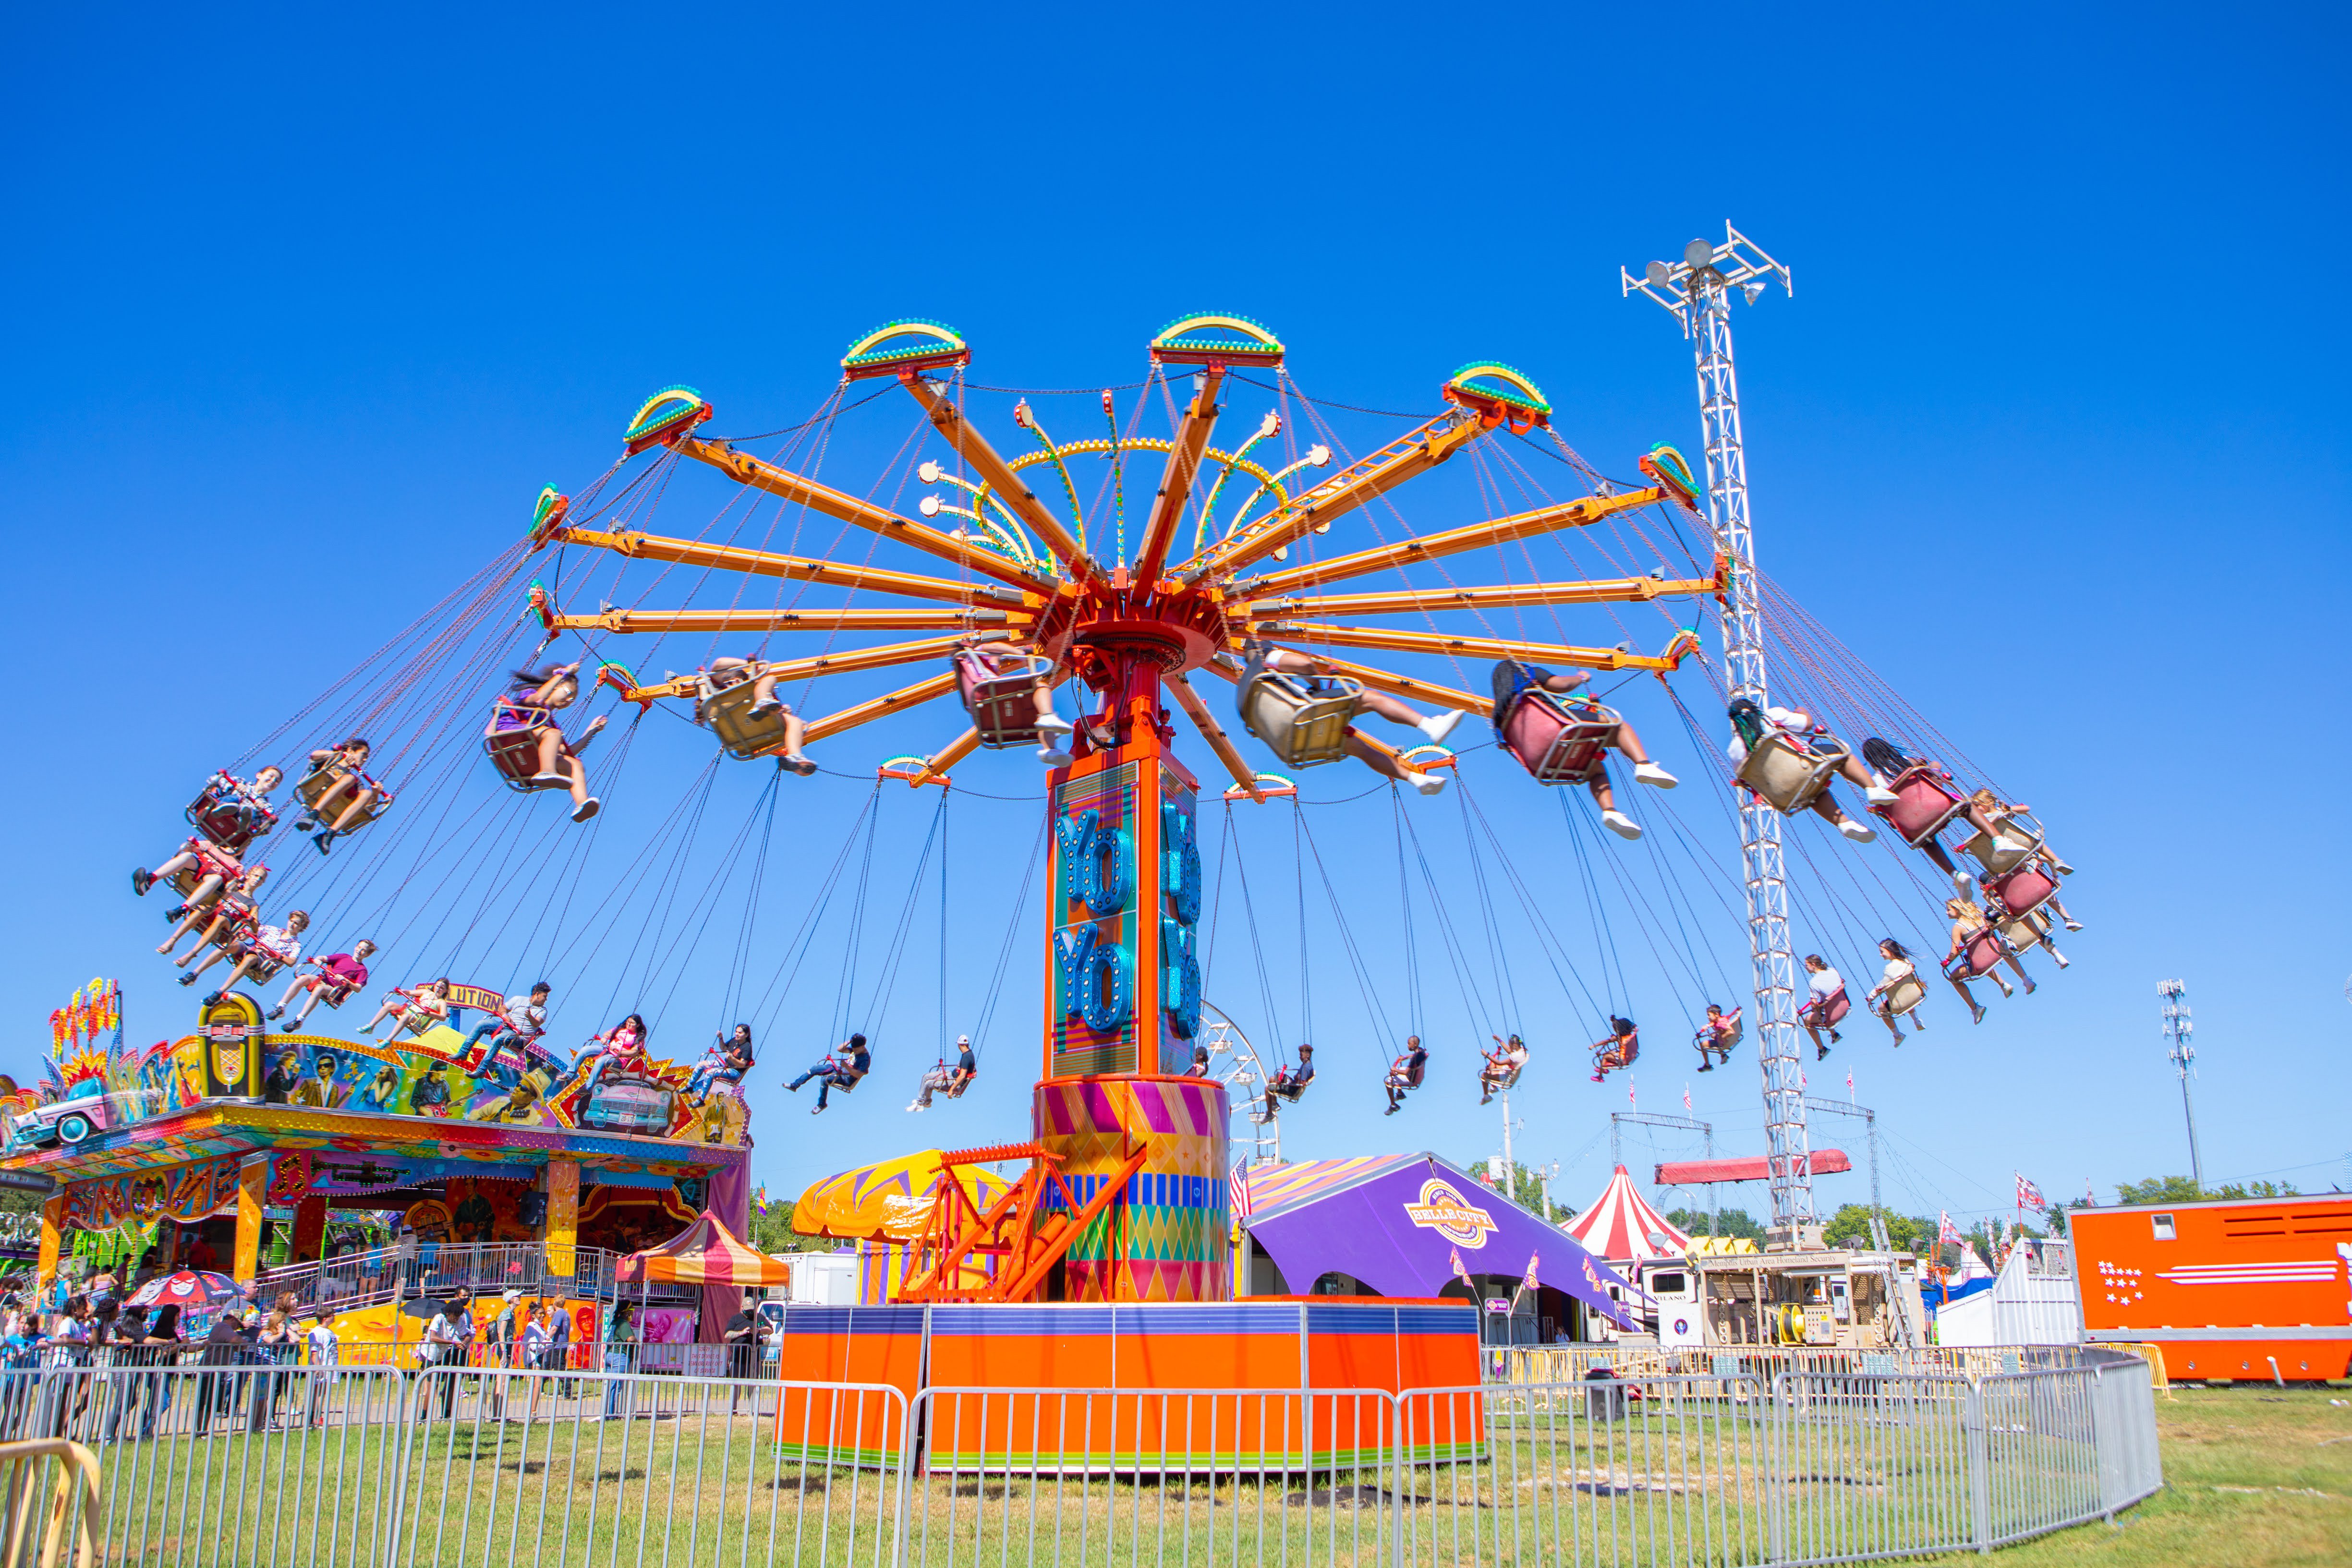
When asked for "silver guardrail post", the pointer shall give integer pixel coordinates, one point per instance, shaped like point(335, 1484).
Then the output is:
point(1978, 1457)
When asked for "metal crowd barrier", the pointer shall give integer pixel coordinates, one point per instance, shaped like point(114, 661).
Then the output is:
point(475, 1467)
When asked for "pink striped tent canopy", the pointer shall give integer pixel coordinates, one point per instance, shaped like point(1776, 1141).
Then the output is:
point(1619, 1225)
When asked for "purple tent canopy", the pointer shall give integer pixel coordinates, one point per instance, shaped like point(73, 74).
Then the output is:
point(1407, 1226)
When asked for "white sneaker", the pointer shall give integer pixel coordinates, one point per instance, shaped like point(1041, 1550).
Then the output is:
point(1879, 795)
point(1438, 726)
point(2009, 847)
point(1963, 884)
point(585, 809)
point(1429, 783)
point(1860, 832)
point(1656, 777)
point(1055, 757)
point(1619, 823)
point(1054, 723)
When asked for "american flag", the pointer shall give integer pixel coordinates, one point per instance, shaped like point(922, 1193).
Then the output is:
point(1237, 1184)
point(1686, 1104)
point(2028, 1195)
point(1946, 1230)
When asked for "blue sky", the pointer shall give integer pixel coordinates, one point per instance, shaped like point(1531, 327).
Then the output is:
point(308, 305)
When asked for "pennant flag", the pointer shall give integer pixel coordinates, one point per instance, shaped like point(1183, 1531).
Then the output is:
point(2028, 1195)
point(1686, 1104)
point(1946, 1230)
point(1629, 1095)
point(759, 1198)
point(1849, 1084)
point(2090, 1198)
point(1528, 1279)
point(1462, 1273)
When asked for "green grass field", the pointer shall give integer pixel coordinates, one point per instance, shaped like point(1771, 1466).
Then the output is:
point(2254, 1477)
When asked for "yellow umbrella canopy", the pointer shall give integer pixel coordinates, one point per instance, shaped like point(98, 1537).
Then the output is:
point(887, 1202)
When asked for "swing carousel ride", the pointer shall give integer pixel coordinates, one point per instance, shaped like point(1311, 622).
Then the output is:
point(1235, 576)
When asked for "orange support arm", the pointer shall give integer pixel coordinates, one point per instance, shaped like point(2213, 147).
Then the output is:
point(1008, 486)
point(1210, 731)
point(1384, 470)
point(1380, 681)
point(907, 619)
point(1479, 648)
point(1176, 479)
point(1510, 596)
point(1577, 514)
point(921, 692)
point(798, 569)
point(841, 663)
point(746, 469)
point(935, 770)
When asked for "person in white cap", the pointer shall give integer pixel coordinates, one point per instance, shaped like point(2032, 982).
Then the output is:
point(950, 1081)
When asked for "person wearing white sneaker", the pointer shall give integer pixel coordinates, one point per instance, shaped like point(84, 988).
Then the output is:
point(1888, 763)
point(1749, 726)
point(1510, 678)
point(1898, 970)
point(531, 701)
point(1053, 729)
point(1436, 726)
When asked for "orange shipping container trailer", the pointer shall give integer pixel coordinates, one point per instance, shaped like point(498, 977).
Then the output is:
point(2241, 1289)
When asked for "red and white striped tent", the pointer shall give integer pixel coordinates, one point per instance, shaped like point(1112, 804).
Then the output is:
point(1619, 1225)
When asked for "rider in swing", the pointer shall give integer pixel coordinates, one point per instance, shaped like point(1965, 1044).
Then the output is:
point(843, 1068)
point(1502, 1066)
point(1619, 1049)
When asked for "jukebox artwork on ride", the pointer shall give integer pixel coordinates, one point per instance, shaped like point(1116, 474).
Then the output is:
point(1225, 566)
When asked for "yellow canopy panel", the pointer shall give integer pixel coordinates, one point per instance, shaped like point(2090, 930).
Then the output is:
point(887, 1202)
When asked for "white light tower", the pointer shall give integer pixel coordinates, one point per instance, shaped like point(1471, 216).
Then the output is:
point(1698, 290)
point(2178, 1028)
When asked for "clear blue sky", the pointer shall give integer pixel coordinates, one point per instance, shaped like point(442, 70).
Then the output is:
point(305, 306)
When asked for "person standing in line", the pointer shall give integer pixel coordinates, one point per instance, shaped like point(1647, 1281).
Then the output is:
point(620, 1359)
point(325, 1353)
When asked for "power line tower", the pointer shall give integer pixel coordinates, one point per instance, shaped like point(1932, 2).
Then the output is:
point(2178, 1028)
point(1697, 290)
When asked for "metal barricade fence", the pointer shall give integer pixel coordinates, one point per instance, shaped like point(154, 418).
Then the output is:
point(281, 1463)
point(50, 1508)
point(1080, 1477)
point(1654, 1471)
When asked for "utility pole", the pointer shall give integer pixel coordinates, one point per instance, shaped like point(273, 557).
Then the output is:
point(1697, 290)
point(1510, 1171)
point(2178, 1028)
point(1547, 1173)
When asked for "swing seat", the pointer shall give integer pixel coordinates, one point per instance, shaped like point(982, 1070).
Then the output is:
point(728, 711)
point(1303, 721)
point(1557, 741)
point(322, 786)
point(1924, 805)
point(1979, 955)
point(514, 752)
point(1905, 996)
point(1508, 1080)
point(2026, 932)
point(1789, 775)
point(1723, 1039)
point(1002, 703)
point(2021, 891)
point(1826, 1012)
point(2018, 830)
point(954, 1087)
point(215, 815)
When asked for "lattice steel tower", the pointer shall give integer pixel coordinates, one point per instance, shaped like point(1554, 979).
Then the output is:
point(1697, 290)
